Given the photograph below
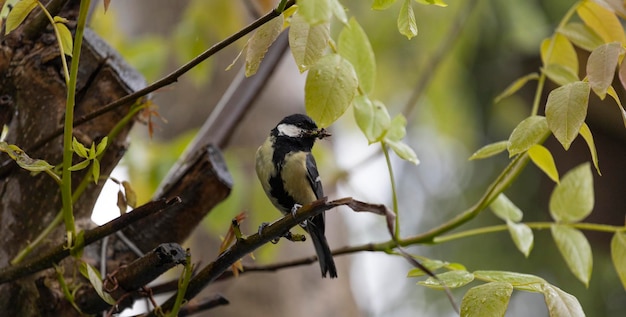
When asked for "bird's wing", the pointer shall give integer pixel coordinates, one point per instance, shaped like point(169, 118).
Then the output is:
point(314, 176)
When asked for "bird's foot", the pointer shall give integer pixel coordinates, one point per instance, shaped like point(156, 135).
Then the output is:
point(261, 227)
point(294, 237)
point(294, 209)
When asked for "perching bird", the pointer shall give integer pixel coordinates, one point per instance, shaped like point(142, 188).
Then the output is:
point(288, 174)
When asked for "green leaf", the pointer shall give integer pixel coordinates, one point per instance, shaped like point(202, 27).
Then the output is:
point(601, 67)
point(529, 132)
point(586, 134)
point(489, 150)
point(96, 281)
point(102, 145)
point(79, 166)
point(505, 209)
point(431, 265)
point(563, 53)
point(572, 200)
point(544, 160)
point(95, 170)
point(20, 11)
point(438, 3)
point(489, 299)
point(575, 249)
point(329, 89)
point(66, 38)
point(581, 36)
point(515, 86)
point(618, 254)
point(33, 165)
point(79, 148)
point(382, 4)
point(354, 46)
point(403, 151)
point(451, 279)
point(92, 151)
point(522, 236)
point(338, 11)
point(260, 42)
point(131, 196)
point(602, 21)
point(397, 131)
point(566, 110)
point(560, 74)
point(371, 117)
point(406, 20)
point(525, 282)
point(307, 42)
point(561, 303)
point(315, 11)
point(611, 92)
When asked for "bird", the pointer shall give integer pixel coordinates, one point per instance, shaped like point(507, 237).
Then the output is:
point(289, 176)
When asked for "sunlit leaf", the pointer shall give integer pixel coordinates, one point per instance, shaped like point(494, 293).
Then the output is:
point(489, 299)
point(522, 236)
point(260, 42)
point(131, 196)
point(601, 67)
point(560, 74)
point(526, 282)
point(505, 209)
point(566, 110)
point(403, 151)
point(581, 36)
point(371, 117)
point(17, 15)
point(575, 249)
point(604, 22)
point(560, 303)
point(96, 281)
point(431, 265)
point(562, 53)
point(490, 150)
point(329, 89)
point(515, 86)
point(586, 134)
point(611, 92)
point(95, 170)
point(66, 38)
point(382, 4)
point(354, 46)
point(451, 279)
point(397, 130)
point(572, 199)
point(102, 145)
point(406, 20)
point(338, 11)
point(529, 132)
point(79, 148)
point(79, 166)
point(438, 3)
point(544, 160)
point(315, 11)
point(618, 255)
point(307, 42)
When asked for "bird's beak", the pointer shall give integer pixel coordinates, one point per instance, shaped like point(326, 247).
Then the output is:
point(322, 133)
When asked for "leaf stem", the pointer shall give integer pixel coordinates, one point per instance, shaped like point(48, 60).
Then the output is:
point(66, 73)
point(393, 189)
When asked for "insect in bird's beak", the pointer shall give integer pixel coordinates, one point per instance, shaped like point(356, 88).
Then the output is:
point(322, 133)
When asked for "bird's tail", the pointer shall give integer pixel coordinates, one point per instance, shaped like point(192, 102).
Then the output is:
point(324, 256)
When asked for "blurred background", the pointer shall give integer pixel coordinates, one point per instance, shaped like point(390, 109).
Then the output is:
point(444, 81)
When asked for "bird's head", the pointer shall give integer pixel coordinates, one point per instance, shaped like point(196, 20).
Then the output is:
point(299, 126)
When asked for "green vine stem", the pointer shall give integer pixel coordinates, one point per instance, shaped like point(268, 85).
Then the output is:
point(394, 196)
point(66, 186)
point(66, 73)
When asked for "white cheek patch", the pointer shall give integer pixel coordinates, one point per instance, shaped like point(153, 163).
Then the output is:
point(289, 130)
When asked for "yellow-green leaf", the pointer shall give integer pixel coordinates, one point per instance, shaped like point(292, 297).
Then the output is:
point(526, 282)
point(604, 22)
point(544, 160)
point(329, 89)
point(315, 11)
point(560, 74)
point(95, 170)
point(505, 209)
point(438, 3)
point(618, 254)
point(338, 11)
point(371, 117)
point(354, 46)
point(406, 20)
point(561, 303)
point(489, 299)
point(529, 132)
point(382, 4)
point(397, 130)
point(566, 110)
point(96, 281)
point(601, 67)
point(79, 166)
point(19, 12)
point(307, 42)
point(79, 148)
point(611, 92)
point(562, 53)
point(581, 36)
point(102, 145)
point(515, 86)
point(490, 150)
point(451, 279)
point(260, 42)
point(572, 199)
point(403, 151)
point(522, 236)
point(575, 250)
point(586, 134)
point(66, 38)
